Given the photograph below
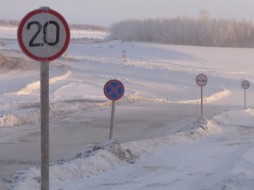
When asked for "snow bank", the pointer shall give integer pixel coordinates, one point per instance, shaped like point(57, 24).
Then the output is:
point(18, 120)
point(9, 121)
point(33, 115)
point(28, 89)
point(98, 159)
point(132, 98)
point(8, 32)
point(212, 98)
point(135, 97)
point(105, 157)
point(237, 118)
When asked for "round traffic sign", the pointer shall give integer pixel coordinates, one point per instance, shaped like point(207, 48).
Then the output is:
point(43, 34)
point(201, 80)
point(245, 84)
point(114, 89)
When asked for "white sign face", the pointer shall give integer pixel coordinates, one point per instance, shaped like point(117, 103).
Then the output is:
point(245, 84)
point(201, 80)
point(43, 34)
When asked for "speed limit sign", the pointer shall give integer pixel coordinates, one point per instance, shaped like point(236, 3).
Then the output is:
point(245, 84)
point(201, 80)
point(43, 34)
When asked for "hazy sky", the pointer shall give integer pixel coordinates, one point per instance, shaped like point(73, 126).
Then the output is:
point(106, 12)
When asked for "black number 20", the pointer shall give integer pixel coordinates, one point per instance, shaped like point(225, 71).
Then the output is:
point(45, 39)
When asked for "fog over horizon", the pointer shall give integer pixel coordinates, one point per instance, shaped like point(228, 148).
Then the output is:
point(106, 13)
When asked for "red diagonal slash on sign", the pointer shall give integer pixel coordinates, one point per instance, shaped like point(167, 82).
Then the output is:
point(114, 90)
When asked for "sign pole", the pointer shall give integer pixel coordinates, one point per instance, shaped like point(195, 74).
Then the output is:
point(112, 120)
point(44, 80)
point(44, 35)
point(201, 102)
point(245, 85)
point(245, 99)
point(113, 90)
point(201, 81)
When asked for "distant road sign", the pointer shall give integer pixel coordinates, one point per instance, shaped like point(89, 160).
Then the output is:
point(201, 80)
point(245, 84)
point(43, 34)
point(113, 89)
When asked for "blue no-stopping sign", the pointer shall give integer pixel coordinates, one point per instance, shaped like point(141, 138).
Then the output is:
point(114, 89)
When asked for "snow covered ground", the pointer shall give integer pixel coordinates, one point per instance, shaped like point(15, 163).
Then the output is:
point(160, 140)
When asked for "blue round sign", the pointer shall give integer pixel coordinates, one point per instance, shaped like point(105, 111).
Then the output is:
point(114, 89)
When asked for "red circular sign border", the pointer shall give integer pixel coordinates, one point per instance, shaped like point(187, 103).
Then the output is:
point(21, 43)
point(202, 75)
point(113, 80)
point(247, 82)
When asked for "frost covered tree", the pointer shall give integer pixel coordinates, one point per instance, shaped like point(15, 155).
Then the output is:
point(202, 31)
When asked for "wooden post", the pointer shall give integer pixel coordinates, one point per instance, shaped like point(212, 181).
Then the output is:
point(44, 125)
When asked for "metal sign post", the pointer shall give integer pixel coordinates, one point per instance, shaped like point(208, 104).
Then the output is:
point(112, 119)
point(245, 85)
point(44, 35)
point(113, 90)
point(201, 81)
point(201, 108)
point(44, 79)
point(244, 99)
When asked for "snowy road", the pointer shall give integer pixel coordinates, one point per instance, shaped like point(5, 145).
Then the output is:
point(217, 156)
point(68, 136)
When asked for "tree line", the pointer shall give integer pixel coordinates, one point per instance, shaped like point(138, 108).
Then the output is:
point(9, 22)
point(201, 31)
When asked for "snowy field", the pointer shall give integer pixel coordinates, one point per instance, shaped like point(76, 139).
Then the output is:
point(160, 142)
